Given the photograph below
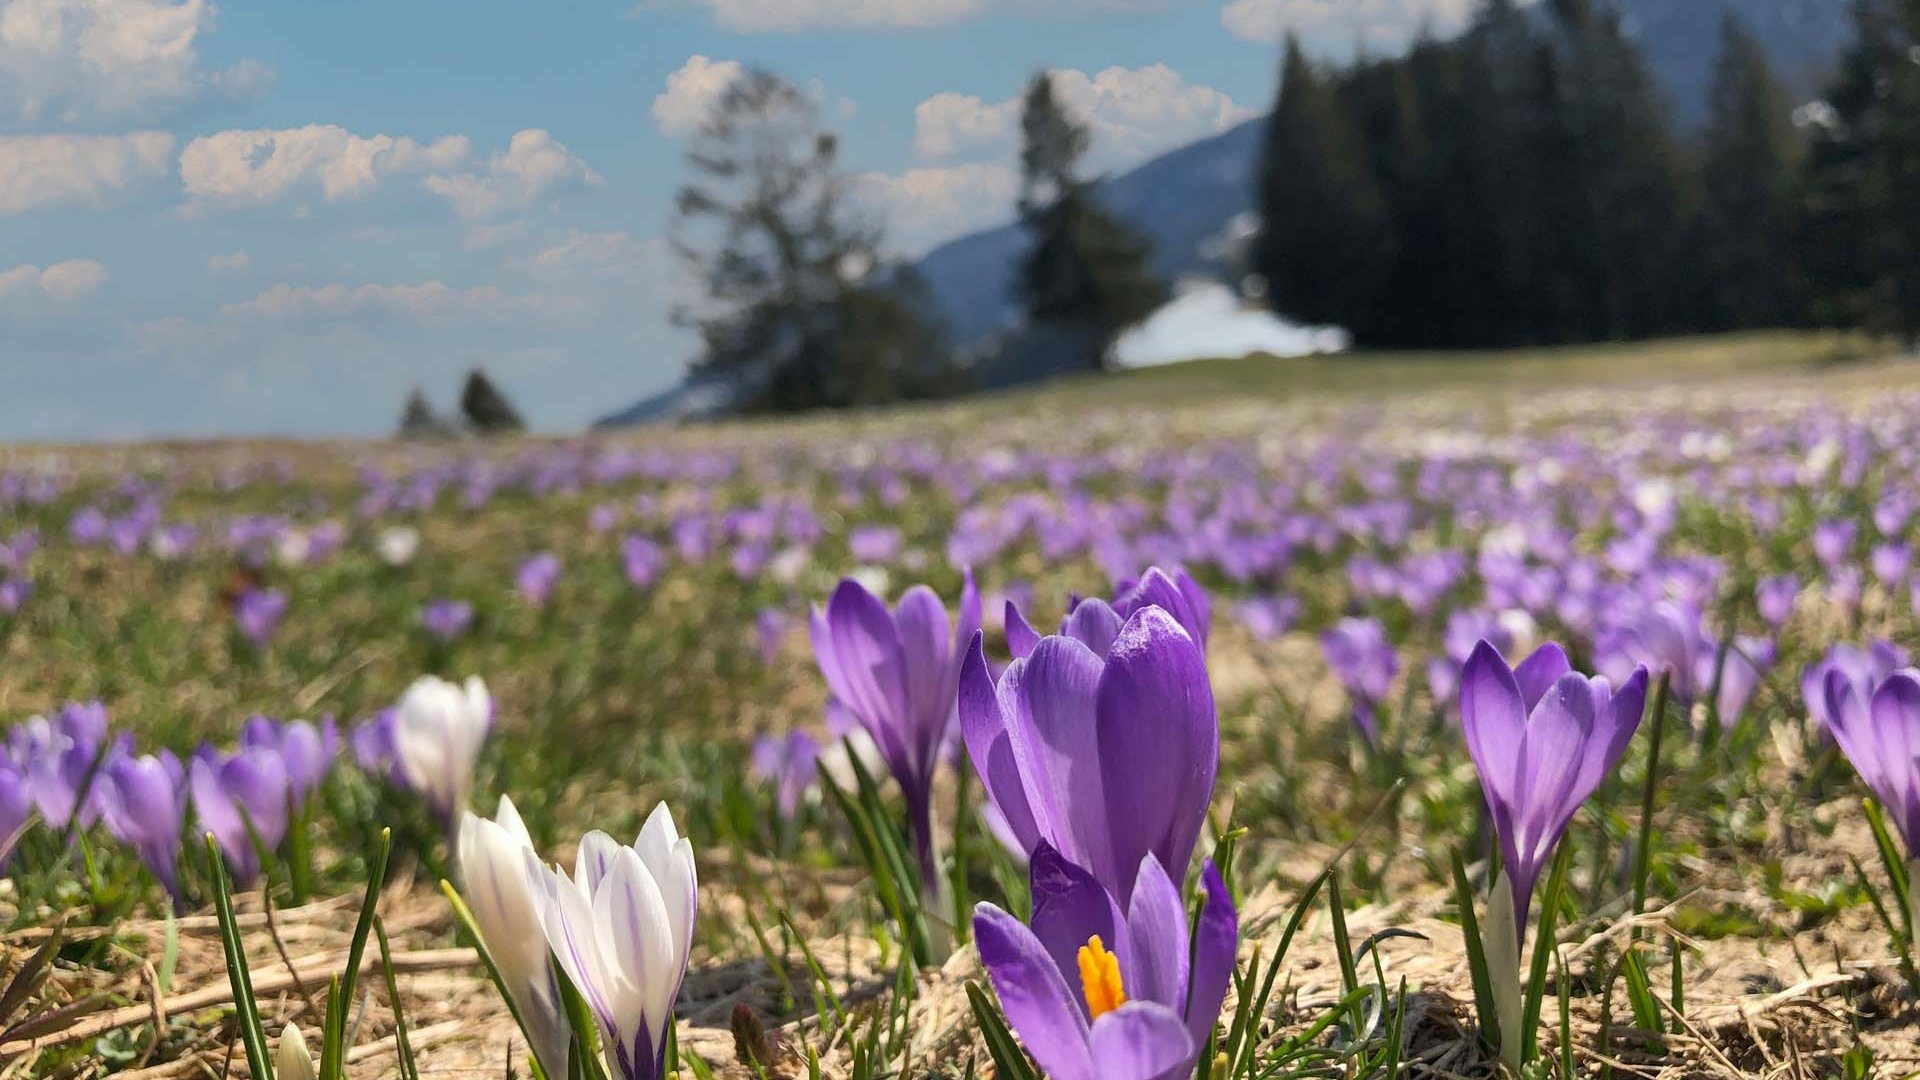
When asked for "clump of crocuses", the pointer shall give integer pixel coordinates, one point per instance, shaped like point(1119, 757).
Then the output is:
point(1100, 764)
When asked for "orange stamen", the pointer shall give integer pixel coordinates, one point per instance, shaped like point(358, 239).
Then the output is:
point(1100, 978)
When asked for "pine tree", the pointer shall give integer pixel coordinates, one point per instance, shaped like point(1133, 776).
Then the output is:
point(1086, 267)
point(1749, 169)
point(418, 420)
point(1324, 221)
point(1624, 243)
point(1862, 236)
point(487, 410)
point(799, 310)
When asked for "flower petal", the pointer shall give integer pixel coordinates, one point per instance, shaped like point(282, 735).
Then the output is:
point(1493, 717)
point(1159, 746)
point(990, 748)
point(1070, 906)
point(1216, 940)
point(1021, 638)
point(1158, 936)
point(1034, 995)
point(1050, 702)
point(1141, 1040)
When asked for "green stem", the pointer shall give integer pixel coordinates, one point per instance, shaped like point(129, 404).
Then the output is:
point(1643, 855)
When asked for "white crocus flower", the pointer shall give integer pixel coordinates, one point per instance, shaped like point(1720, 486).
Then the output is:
point(397, 544)
point(622, 927)
point(438, 730)
point(293, 1061)
point(499, 889)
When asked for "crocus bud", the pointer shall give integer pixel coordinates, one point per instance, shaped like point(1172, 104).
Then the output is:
point(622, 927)
point(438, 732)
point(293, 1062)
point(495, 858)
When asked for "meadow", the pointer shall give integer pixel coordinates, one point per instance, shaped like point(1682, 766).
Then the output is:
point(1386, 850)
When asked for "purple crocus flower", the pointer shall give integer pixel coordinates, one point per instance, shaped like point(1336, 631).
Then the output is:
point(1106, 759)
point(791, 764)
point(445, 619)
point(14, 593)
point(1095, 623)
point(1864, 669)
point(56, 758)
point(1098, 991)
point(770, 628)
point(1833, 540)
point(1668, 636)
point(1881, 736)
point(1890, 562)
point(16, 809)
point(1268, 617)
point(644, 560)
point(536, 578)
point(1177, 594)
point(897, 672)
point(257, 614)
point(1775, 596)
point(874, 544)
point(1363, 660)
point(1742, 663)
point(374, 749)
point(1542, 736)
point(306, 751)
point(232, 792)
point(146, 809)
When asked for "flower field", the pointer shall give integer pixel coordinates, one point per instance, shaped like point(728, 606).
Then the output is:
point(1446, 725)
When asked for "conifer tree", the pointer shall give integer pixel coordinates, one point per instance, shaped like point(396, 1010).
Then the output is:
point(418, 420)
point(1085, 267)
point(487, 410)
point(1323, 217)
point(1749, 180)
point(1862, 236)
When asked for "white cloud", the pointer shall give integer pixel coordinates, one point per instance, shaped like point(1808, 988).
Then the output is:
point(1134, 113)
point(435, 300)
point(786, 15)
point(484, 237)
point(691, 92)
point(1342, 23)
point(46, 170)
point(88, 61)
point(596, 253)
point(236, 262)
point(534, 166)
point(790, 15)
point(261, 166)
point(924, 206)
point(946, 123)
point(68, 280)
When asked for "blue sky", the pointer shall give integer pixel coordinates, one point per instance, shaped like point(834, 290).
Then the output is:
point(276, 217)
